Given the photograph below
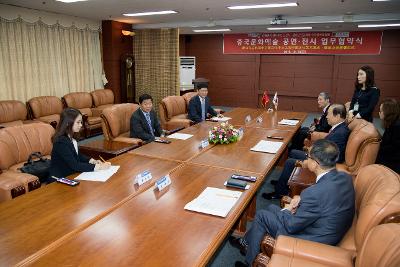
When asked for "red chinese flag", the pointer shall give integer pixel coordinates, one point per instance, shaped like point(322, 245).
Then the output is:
point(265, 99)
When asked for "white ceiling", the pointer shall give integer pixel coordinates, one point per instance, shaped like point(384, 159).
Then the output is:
point(214, 14)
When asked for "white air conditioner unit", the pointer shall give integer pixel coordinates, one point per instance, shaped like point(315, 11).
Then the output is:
point(187, 72)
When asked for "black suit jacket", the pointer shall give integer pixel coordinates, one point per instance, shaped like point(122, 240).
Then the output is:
point(367, 101)
point(339, 136)
point(323, 125)
point(195, 109)
point(389, 150)
point(65, 161)
point(140, 128)
point(325, 211)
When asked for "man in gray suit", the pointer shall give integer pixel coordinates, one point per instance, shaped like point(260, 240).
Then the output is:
point(322, 213)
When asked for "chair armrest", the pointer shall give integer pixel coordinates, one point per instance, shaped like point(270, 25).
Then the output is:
point(313, 251)
point(96, 112)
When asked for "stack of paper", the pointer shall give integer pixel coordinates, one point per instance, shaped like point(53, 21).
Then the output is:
point(223, 119)
point(98, 176)
point(267, 146)
point(180, 136)
point(288, 122)
point(214, 201)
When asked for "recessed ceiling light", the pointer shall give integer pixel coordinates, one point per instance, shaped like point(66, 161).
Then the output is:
point(264, 6)
point(213, 30)
point(165, 12)
point(70, 1)
point(288, 28)
point(378, 25)
point(380, 0)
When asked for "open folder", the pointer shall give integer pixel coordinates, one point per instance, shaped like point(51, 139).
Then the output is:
point(214, 201)
point(267, 147)
point(98, 176)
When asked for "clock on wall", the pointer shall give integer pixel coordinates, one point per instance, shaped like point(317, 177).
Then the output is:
point(127, 78)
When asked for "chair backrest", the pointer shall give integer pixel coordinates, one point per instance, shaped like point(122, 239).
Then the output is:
point(189, 96)
point(12, 112)
point(102, 97)
point(362, 145)
point(174, 105)
point(79, 100)
point(381, 247)
point(116, 119)
point(377, 196)
point(44, 106)
point(17, 143)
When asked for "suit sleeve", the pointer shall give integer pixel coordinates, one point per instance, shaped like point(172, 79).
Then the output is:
point(353, 100)
point(82, 157)
point(192, 111)
point(210, 110)
point(372, 103)
point(307, 213)
point(67, 156)
point(157, 126)
point(137, 129)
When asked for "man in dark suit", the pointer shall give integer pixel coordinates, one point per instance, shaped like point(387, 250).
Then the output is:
point(321, 125)
point(338, 134)
point(322, 213)
point(199, 106)
point(144, 121)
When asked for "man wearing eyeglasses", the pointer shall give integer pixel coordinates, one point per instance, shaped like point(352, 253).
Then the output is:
point(322, 213)
point(339, 133)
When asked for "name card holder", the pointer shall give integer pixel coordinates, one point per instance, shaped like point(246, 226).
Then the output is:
point(143, 177)
point(163, 182)
point(247, 119)
point(241, 133)
point(204, 143)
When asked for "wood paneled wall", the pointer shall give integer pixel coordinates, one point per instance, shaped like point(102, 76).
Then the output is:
point(239, 80)
point(114, 46)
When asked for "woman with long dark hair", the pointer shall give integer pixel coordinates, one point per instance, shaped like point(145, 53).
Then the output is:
point(65, 156)
point(389, 150)
point(365, 96)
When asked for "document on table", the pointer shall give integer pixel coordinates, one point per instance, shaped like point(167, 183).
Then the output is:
point(267, 146)
point(214, 201)
point(98, 176)
point(180, 136)
point(288, 122)
point(223, 119)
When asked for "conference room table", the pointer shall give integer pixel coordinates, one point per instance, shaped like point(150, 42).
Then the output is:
point(117, 223)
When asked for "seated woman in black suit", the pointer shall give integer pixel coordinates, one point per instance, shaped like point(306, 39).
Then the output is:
point(65, 156)
point(389, 150)
point(365, 96)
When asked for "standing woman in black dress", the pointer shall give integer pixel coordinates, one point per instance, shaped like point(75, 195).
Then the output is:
point(389, 150)
point(366, 95)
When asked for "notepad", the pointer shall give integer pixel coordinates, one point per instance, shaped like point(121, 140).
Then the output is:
point(267, 146)
point(288, 122)
point(180, 136)
point(214, 201)
point(223, 119)
point(98, 176)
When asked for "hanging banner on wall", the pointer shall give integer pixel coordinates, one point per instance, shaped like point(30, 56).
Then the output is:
point(321, 43)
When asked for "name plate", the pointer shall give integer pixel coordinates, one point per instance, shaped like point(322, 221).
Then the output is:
point(143, 177)
point(163, 182)
point(247, 119)
point(204, 143)
point(241, 133)
point(259, 119)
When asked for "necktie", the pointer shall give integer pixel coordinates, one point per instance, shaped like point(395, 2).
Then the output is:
point(147, 115)
point(203, 109)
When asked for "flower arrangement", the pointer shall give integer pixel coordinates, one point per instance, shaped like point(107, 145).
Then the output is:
point(223, 134)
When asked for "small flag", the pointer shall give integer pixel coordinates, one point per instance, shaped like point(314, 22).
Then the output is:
point(265, 99)
point(275, 99)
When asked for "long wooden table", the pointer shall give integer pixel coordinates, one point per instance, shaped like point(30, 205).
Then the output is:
point(118, 224)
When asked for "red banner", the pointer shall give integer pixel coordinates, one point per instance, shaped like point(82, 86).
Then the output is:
point(325, 43)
